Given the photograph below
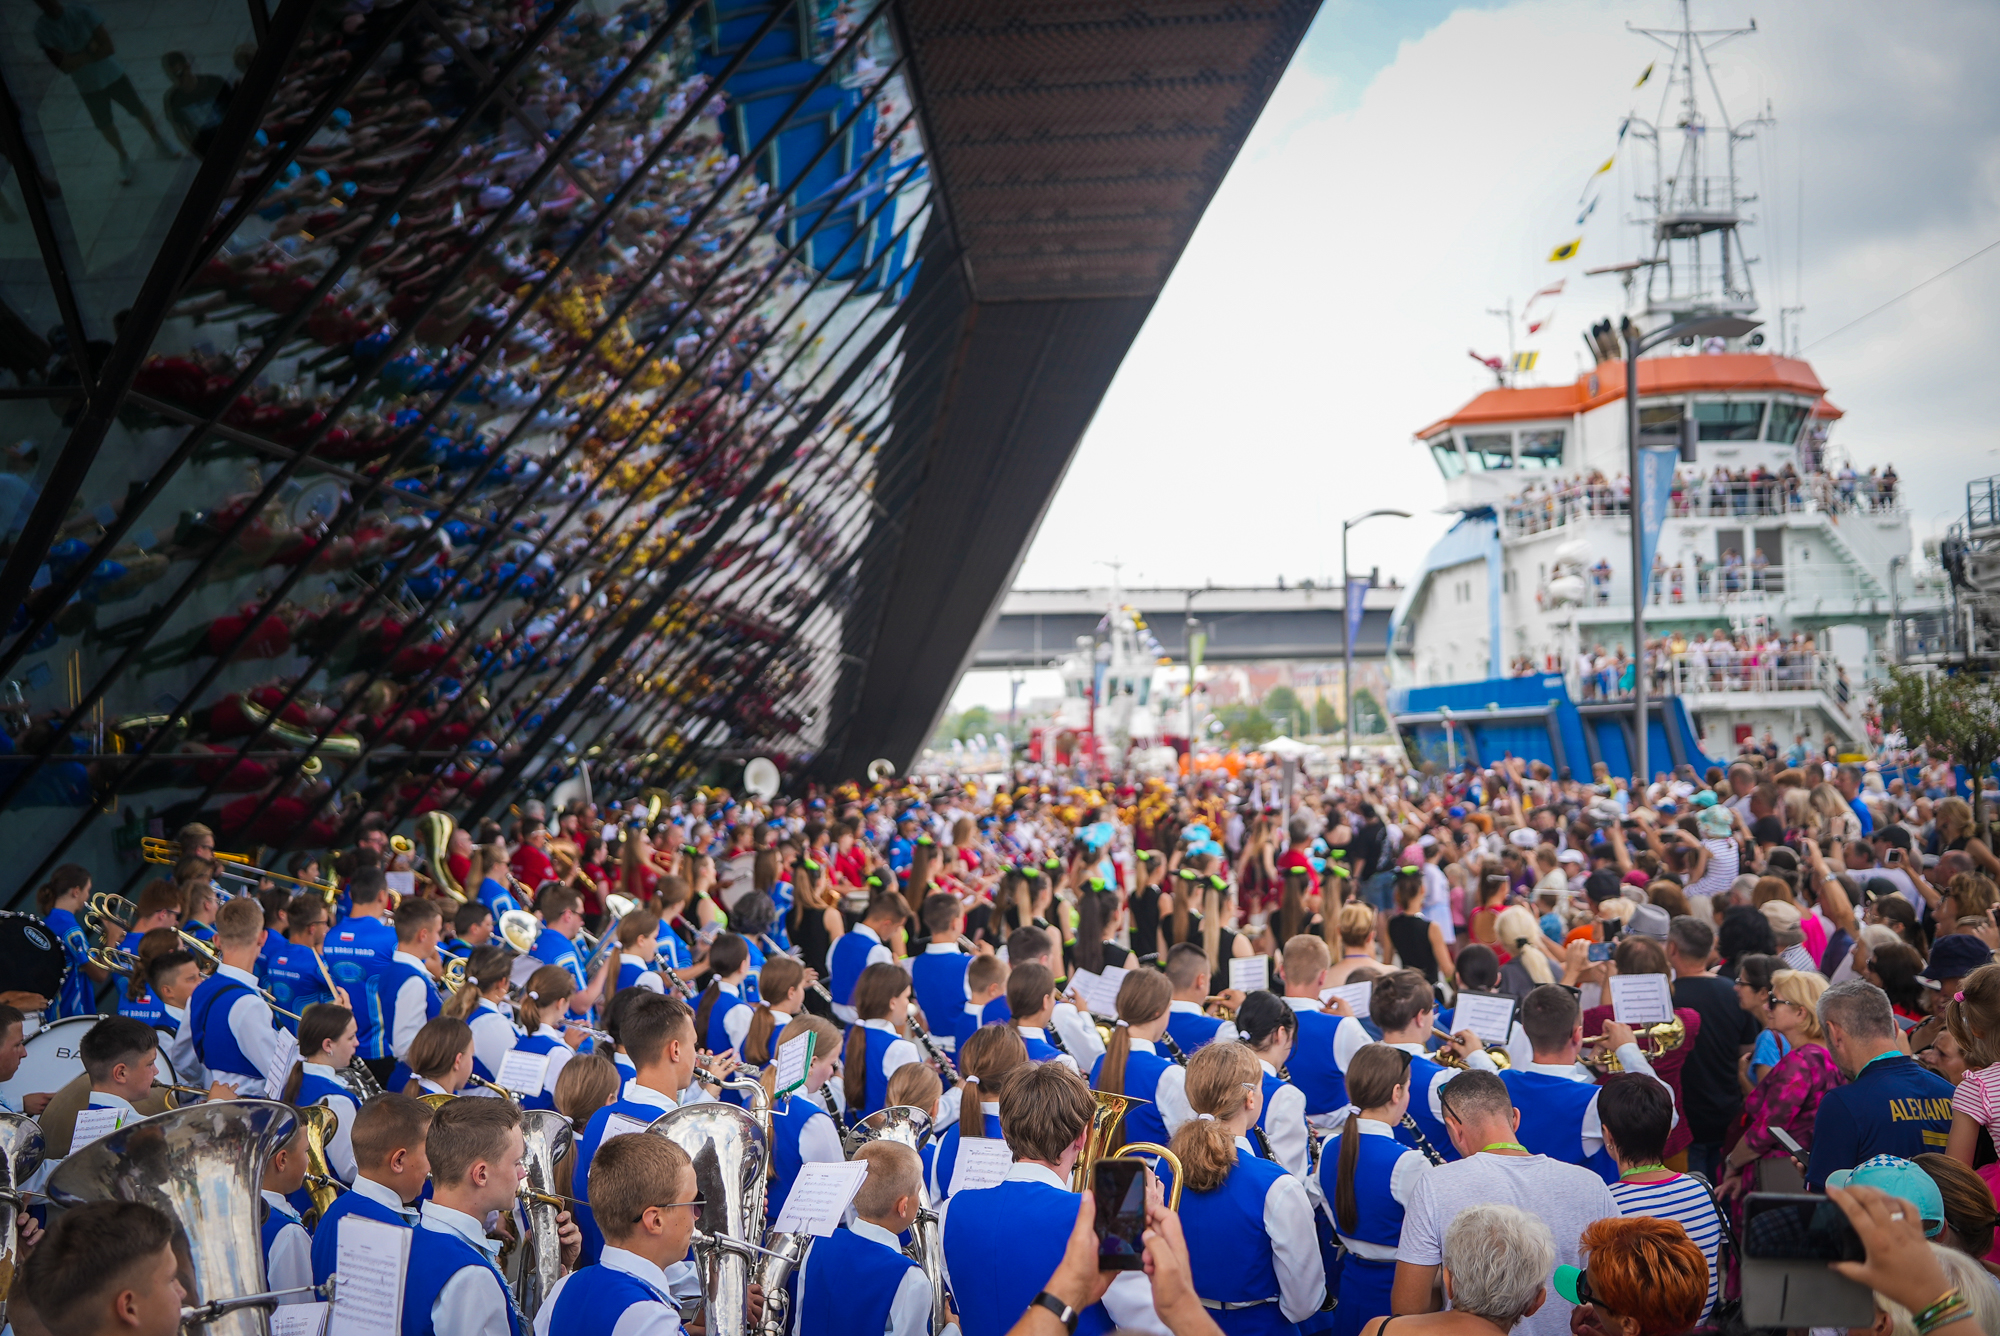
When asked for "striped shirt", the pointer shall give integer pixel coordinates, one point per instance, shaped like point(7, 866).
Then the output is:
point(1684, 1199)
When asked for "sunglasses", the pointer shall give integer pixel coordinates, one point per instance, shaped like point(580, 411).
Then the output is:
point(1586, 1295)
point(698, 1202)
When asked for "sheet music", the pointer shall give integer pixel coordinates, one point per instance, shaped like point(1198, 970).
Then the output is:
point(820, 1196)
point(371, 1261)
point(1114, 979)
point(1248, 974)
point(618, 1125)
point(982, 1162)
point(402, 883)
point(307, 1319)
point(794, 1059)
point(1488, 1015)
point(522, 1072)
point(284, 1053)
point(1098, 998)
point(1641, 999)
point(94, 1123)
point(1355, 995)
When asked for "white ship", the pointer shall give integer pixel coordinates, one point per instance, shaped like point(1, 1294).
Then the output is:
point(1782, 568)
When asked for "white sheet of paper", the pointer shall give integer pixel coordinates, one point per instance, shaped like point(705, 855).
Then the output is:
point(307, 1319)
point(794, 1059)
point(982, 1162)
point(1798, 958)
point(1098, 997)
point(1488, 1015)
point(94, 1123)
point(1641, 999)
point(284, 1053)
point(1355, 995)
point(522, 1072)
point(618, 1125)
point(819, 1197)
point(402, 883)
point(1114, 979)
point(371, 1261)
point(1248, 974)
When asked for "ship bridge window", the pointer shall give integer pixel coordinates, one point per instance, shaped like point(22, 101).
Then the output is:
point(1660, 424)
point(1729, 422)
point(1541, 450)
point(1489, 450)
point(1449, 461)
point(1786, 419)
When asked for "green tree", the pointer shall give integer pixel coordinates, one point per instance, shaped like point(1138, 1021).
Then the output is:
point(975, 721)
point(1369, 720)
point(1958, 714)
point(1245, 724)
point(1326, 715)
point(1284, 709)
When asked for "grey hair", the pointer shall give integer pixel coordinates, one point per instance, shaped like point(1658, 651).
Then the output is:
point(1859, 1008)
point(1497, 1262)
point(1972, 1282)
point(1691, 937)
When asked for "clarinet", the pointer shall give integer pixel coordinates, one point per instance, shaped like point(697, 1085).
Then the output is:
point(1173, 1049)
point(1263, 1140)
point(1424, 1146)
point(826, 1098)
point(922, 1036)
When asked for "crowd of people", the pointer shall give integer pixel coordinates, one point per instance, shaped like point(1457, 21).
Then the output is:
point(1399, 1037)
point(1722, 493)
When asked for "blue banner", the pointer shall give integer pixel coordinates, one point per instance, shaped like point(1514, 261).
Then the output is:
point(1656, 487)
point(1357, 596)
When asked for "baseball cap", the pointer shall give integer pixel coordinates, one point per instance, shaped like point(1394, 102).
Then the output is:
point(1898, 1178)
point(1523, 838)
point(1706, 798)
point(1571, 856)
point(1954, 956)
point(1649, 921)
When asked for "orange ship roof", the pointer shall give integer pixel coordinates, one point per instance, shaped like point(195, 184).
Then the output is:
point(1712, 373)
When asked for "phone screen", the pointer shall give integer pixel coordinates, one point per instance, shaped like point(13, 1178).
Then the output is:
point(1601, 950)
point(1119, 1187)
point(1787, 1227)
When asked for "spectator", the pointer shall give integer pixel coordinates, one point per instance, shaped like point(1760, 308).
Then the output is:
point(1637, 1114)
point(1967, 1201)
point(193, 103)
point(1494, 1259)
point(76, 42)
point(1641, 1277)
point(1709, 1073)
point(1788, 1099)
point(1891, 1105)
point(1484, 1126)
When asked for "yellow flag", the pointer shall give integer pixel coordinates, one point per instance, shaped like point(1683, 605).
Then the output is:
point(1566, 251)
point(1523, 361)
point(1647, 74)
point(1607, 165)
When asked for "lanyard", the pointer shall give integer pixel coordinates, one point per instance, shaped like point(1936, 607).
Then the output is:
point(1504, 1145)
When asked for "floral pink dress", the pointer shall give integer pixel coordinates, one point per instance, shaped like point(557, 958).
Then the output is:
point(1787, 1097)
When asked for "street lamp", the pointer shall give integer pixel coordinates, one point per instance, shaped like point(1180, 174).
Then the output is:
point(1347, 641)
point(1705, 326)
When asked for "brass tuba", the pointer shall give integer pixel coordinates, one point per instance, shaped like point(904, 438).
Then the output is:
point(730, 1149)
point(434, 830)
point(534, 1262)
point(20, 1156)
point(204, 1167)
point(911, 1127)
point(1105, 1125)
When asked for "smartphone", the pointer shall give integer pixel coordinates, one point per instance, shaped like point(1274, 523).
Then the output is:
point(1119, 1188)
point(1788, 1239)
point(1791, 1145)
point(1601, 950)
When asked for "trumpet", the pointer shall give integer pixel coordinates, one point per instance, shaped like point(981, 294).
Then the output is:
point(1445, 1057)
point(484, 1084)
point(114, 960)
point(1654, 1040)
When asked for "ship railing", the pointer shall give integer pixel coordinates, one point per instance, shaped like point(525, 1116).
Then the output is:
point(1696, 498)
point(1722, 585)
point(1726, 670)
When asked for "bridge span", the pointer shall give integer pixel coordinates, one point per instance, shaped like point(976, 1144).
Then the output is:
point(1244, 623)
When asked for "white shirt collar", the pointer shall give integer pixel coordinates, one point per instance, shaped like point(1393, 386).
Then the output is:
point(733, 989)
point(934, 949)
point(1026, 1172)
point(975, 1008)
point(645, 1094)
point(319, 1069)
point(104, 1099)
point(382, 1196)
point(1572, 1071)
point(626, 958)
point(1186, 1008)
point(1269, 1070)
point(429, 1087)
point(547, 1031)
point(405, 958)
point(1371, 1128)
point(882, 1024)
point(864, 930)
point(1303, 1003)
point(178, 1013)
point(281, 1206)
point(623, 1259)
point(779, 1020)
point(1142, 1045)
point(1030, 1031)
point(874, 1234)
point(1243, 1144)
point(442, 1218)
point(240, 975)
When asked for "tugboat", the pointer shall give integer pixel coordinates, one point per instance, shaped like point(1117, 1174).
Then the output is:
point(1782, 568)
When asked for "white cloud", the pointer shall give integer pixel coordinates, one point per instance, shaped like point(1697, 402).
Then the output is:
point(1324, 307)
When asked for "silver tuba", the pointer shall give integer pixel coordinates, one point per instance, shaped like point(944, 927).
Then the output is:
point(204, 1167)
point(20, 1156)
point(730, 1149)
point(911, 1126)
point(534, 1261)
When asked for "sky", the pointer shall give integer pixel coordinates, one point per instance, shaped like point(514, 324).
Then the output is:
point(1414, 168)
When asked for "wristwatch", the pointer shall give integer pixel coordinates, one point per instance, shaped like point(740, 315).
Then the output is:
point(1064, 1313)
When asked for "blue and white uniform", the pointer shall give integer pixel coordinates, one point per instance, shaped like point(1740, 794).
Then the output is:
point(320, 1084)
point(1191, 1028)
point(178, 1045)
point(1001, 1244)
point(736, 1026)
point(802, 1133)
point(642, 1104)
point(148, 1008)
point(887, 1053)
point(365, 1198)
point(229, 1024)
point(552, 948)
point(858, 1281)
point(1158, 1080)
point(945, 1163)
point(623, 1295)
point(546, 1039)
point(852, 953)
point(1313, 1069)
point(1385, 1174)
point(496, 897)
point(636, 972)
point(1283, 1121)
point(728, 1000)
point(1036, 1041)
point(1558, 1105)
point(1427, 1078)
point(1253, 1249)
point(454, 1283)
point(287, 1249)
point(77, 995)
point(409, 998)
point(291, 971)
point(938, 977)
point(494, 1035)
point(357, 950)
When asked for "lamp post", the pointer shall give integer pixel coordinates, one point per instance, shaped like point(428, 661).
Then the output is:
point(1706, 326)
point(1347, 641)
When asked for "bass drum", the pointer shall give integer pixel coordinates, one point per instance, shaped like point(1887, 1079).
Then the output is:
point(31, 959)
point(55, 1058)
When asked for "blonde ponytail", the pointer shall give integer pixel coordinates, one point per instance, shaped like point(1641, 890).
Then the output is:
point(1218, 1078)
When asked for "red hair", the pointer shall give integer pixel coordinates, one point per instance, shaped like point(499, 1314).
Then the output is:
point(1647, 1269)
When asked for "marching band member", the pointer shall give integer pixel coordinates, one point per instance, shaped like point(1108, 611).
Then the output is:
point(865, 945)
point(122, 1058)
point(752, 1031)
point(544, 1002)
point(287, 1246)
point(106, 1269)
point(988, 1057)
point(392, 1165)
point(803, 1131)
point(588, 1083)
point(275, 903)
point(875, 1045)
point(1191, 1027)
point(440, 1061)
point(561, 910)
point(1403, 1007)
point(139, 999)
point(60, 899)
point(490, 878)
point(1249, 1223)
point(14, 1048)
point(858, 1281)
point(471, 928)
point(916, 1086)
point(1368, 1177)
point(200, 902)
point(1313, 1070)
point(453, 1287)
point(646, 1188)
point(638, 948)
point(728, 966)
point(291, 968)
point(357, 952)
point(1270, 1030)
point(408, 993)
point(1001, 1244)
point(1556, 1094)
point(985, 998)
point(481, 1002)
point(939, 972)
point(1031, 1002)
point(326, 1044)
point(228, 1020)
point(1070, 1030)
point(1132, 1065)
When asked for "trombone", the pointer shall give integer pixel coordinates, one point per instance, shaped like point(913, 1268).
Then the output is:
point(155, 850)
point(206, 955)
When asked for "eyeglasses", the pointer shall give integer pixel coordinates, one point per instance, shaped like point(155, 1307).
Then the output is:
point(698, 1202)
point(1586, 1295)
